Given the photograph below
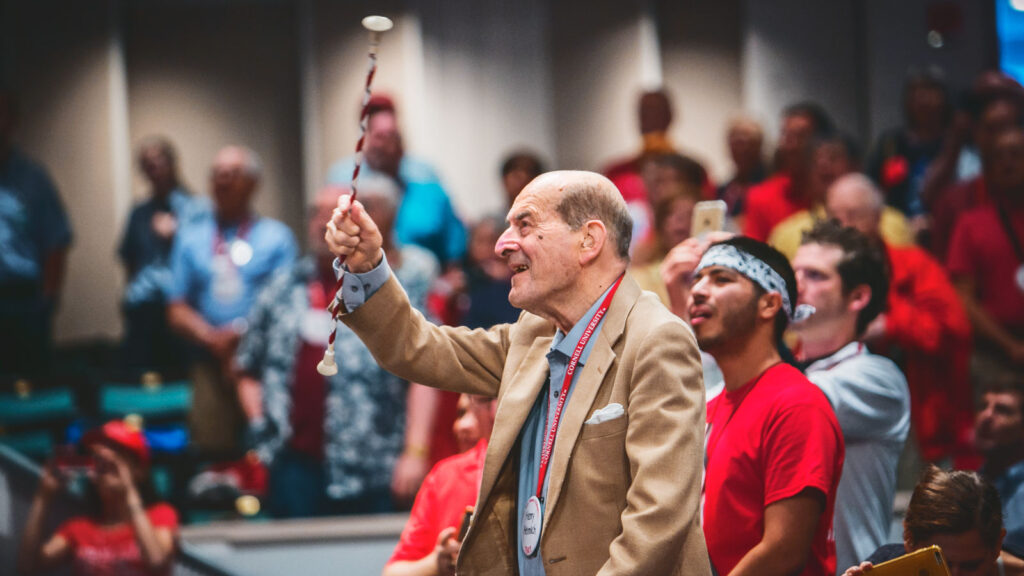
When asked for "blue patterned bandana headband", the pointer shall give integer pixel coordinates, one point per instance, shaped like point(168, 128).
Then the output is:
point(729, 256)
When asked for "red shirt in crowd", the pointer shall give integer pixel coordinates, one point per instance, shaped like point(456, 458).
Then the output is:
point(768, 441)
point(441, 502)
point(982, 251)
point(113, 551)
point(927, 323)
point(946, 211)
point(769, 203)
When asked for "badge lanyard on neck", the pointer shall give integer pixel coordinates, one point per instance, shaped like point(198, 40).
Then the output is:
point(239, 251)
point(1011, 235)
point(531, 512)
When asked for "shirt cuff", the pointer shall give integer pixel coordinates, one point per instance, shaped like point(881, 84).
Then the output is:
point(356, 288)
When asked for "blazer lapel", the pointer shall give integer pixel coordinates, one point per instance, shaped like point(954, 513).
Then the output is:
point(588, 383)
point(513, 407)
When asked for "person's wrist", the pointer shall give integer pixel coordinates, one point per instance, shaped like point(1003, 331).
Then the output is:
point(416, 450)
point(369, 264)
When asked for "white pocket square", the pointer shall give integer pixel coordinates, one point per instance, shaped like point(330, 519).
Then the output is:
point(609, 412)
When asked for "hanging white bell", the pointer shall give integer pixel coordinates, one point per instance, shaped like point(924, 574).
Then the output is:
point(327, 366)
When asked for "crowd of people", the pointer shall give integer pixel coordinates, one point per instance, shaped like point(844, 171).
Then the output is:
point(634, 399)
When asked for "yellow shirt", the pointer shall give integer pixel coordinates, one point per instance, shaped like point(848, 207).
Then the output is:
point(786, 235)
point(648, 276)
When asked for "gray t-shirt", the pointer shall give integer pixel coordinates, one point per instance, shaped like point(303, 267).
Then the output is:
point(872, 403)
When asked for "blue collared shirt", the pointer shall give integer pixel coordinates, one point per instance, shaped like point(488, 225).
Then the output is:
point(539, 422)
point(32, 219)
point(1010, 485)
point(193, 269)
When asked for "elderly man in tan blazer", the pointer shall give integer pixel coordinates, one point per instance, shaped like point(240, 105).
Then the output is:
point(595, 461)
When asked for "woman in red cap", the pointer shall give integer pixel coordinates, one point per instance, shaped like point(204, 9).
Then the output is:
point(126, 537)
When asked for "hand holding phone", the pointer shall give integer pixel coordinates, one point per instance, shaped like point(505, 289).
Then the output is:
point(924, 562)
point(708, 216)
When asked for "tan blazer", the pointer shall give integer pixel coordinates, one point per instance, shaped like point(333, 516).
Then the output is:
point(623, 495)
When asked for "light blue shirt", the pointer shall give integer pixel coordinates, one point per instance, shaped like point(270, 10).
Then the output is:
point(1010, 485)
point(32, 219)
point(192, 266)
point(539, 422)
point(872, 404)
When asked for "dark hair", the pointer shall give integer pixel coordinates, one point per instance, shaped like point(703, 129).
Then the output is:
point(928, 78)
point(823, 125)
point(863, 264)
point(522, 160)
point(776, 261)
point(1006, 381)
point(583, 201)
point(663, 209)
point(952, 503)
point(162, 145)
point(851, 147)
point(689, 170)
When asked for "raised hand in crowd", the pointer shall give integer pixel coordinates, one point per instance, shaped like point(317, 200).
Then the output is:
point(678, 267)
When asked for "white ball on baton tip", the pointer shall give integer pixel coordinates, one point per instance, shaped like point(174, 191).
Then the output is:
point(377, 23)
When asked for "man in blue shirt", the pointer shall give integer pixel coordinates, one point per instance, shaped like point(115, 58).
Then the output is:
point(999, 436)
point(145, 252)
point(218, 265)
point(425, 215)
point(34, 240)
point(594, 464)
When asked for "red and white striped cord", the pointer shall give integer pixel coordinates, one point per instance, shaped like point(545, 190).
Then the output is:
point(376, 25)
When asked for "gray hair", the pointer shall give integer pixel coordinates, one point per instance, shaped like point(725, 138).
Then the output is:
point(860, 182)
point(253, 163)
point(591, 196)
point(379, 188)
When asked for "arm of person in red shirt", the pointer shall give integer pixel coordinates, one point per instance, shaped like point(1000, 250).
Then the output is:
point(33, 558)
point(789, 528)
point(931, 312)
point(985, 326)
point(440, 561)
point(414, 462)
point(157, 544)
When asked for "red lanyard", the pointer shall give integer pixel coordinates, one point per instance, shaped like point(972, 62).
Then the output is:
point(549, 440)
point(218, 238)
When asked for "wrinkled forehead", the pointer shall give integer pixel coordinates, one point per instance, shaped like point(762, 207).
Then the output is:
point(538, 200)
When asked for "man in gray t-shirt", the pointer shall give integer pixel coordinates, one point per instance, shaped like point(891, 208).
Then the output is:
point(843, 275)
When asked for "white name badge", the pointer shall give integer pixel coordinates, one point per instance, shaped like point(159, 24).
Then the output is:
point(241, 252)
point(316, 326)
point(1019, 277)
point(531, 526)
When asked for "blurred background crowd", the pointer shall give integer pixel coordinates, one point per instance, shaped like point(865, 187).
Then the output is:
point(166, 171)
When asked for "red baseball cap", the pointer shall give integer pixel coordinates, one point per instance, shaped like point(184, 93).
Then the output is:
point(120, 435)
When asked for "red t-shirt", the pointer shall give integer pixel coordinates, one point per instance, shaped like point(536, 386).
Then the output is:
point(981, 250)
point(769, 203)
point(441, 502)
point(113, 551)
point(766, 442)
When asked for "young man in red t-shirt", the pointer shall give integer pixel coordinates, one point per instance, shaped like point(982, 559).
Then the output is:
point(429, 544)
point(774, 450)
